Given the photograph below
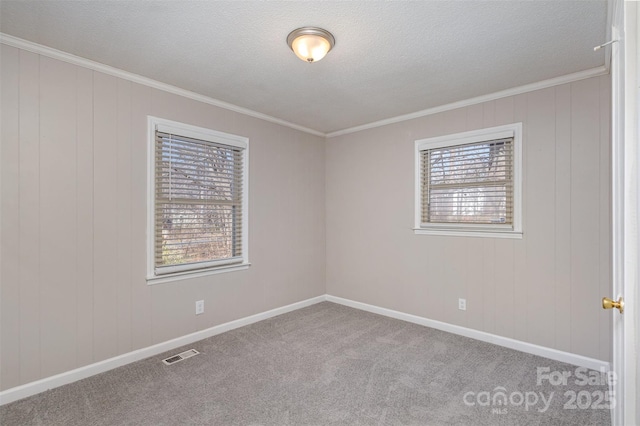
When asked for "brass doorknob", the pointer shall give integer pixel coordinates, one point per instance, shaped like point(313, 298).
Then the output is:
point(610, 304)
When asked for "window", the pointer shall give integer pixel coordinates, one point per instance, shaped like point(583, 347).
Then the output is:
point(470, 183)
point(198, 201)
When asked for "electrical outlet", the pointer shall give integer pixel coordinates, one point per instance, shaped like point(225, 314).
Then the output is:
point(200, 307)
point(462, 304)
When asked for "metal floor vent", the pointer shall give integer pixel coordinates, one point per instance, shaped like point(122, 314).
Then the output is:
point(181, 356)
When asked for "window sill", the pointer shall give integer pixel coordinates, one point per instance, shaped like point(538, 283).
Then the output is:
point(178, 276)
point(469, 233)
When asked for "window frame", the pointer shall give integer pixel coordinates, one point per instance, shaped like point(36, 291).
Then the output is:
point(466, 229)
point(178, 272)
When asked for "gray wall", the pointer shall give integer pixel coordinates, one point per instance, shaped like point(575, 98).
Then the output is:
point(73, 213)
point(73, 164)
point(544, 289)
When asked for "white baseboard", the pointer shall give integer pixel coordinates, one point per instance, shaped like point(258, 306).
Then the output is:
point(29, 389)
point(554, 354)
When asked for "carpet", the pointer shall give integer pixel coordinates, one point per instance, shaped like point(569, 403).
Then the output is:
point(328, 364)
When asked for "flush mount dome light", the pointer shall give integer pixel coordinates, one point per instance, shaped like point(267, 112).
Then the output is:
point(310, 43)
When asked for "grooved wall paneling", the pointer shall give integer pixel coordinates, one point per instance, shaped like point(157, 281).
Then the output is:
point(74, 187)
point(544, 289)
point(325, 216)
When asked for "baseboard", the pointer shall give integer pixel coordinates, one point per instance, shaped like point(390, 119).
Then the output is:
point(29, 389)
point(33, 388)
point(554, 354)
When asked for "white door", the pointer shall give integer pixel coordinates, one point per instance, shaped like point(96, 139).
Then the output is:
point(625, 155)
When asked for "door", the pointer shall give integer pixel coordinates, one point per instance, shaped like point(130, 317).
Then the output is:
point(624, 80)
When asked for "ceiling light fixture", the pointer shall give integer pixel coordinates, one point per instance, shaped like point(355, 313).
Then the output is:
point(310, 43)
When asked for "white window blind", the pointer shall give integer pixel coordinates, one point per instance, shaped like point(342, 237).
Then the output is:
point(198, 211)
point(470, 183)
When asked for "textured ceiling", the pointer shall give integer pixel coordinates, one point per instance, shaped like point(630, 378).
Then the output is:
point(390, 58)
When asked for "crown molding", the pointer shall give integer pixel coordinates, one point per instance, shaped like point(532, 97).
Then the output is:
point(106, 69)
point(569, 78)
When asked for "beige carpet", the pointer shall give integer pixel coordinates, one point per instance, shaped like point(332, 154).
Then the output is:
point(327, 365)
